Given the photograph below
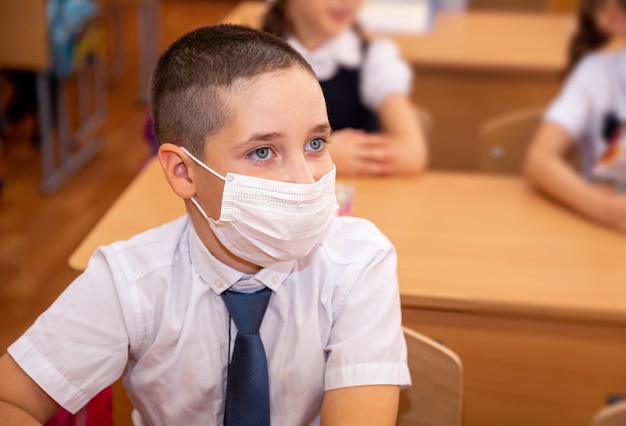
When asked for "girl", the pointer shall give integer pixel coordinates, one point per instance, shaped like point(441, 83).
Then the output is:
point(366, 86)
point(590, 112)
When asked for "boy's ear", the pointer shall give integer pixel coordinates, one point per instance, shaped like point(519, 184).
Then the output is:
point(177, 168)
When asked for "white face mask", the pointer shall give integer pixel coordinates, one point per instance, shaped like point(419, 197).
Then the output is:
point(266, 221)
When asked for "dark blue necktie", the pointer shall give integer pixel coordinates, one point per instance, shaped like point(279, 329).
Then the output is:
point(247, 386)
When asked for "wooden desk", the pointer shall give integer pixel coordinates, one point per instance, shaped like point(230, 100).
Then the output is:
point(471, 67)
point(478, 65)
point(28, 24)
point(530, 295)
point(26, 46)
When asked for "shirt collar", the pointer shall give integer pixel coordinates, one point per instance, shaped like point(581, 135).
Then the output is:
point(220, 277)
point(342, 50)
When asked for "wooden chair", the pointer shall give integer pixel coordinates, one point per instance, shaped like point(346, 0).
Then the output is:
point(502, 141)
point(611, 415)
point(435, 397)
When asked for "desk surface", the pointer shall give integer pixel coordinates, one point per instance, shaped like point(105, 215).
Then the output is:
point(474, 40)
point(24, 35)
point(465, 242)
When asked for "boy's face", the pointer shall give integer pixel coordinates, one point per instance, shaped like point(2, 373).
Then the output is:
point(277, 129)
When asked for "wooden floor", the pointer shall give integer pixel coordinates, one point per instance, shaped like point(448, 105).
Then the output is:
point(37, 233)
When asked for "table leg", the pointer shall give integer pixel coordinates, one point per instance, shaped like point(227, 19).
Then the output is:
point(64, 153)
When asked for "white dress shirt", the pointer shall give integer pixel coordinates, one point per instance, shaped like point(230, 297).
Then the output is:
point(383, 72)
point(150, 309)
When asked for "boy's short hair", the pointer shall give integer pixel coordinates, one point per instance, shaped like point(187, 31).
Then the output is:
point(187, 103)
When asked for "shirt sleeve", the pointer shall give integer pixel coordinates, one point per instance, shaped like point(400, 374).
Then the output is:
point(572, 107)
point(384, 73)
point(367, 345)
point(79, 345)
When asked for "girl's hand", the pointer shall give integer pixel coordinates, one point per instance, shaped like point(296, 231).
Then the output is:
point(357, 153)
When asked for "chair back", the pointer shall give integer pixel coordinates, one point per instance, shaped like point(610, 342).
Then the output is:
point(503, 141)
point(611, 415)
point(435, 397)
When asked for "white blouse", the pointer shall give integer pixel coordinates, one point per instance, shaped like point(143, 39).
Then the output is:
point(384, 72)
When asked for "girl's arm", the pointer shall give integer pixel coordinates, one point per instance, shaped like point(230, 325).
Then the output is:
point(399, 120)
point(545, 166)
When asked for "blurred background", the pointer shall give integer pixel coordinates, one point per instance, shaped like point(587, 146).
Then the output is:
point(39, 231)
point(510, 57)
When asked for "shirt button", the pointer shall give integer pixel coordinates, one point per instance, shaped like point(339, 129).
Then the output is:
point(219, 283)
point(275, 279)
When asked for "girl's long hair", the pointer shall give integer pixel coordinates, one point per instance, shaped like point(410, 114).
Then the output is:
point(588, 36)
point(275, 20)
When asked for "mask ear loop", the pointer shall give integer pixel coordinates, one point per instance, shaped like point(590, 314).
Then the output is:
point(207, 168)
point(201, 164)
point(200, 209)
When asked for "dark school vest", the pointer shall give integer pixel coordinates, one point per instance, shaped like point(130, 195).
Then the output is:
point(343, 102)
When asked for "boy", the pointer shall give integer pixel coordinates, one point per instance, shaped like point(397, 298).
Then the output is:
point(242, 127)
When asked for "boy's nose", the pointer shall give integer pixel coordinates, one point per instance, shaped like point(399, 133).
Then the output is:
point(300, 171)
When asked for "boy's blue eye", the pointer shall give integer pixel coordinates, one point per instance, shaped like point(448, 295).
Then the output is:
point(316, 144)
point(260, 153)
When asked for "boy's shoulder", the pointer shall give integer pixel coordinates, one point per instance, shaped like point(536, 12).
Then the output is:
point(351, 238)
point(156, 246)
point(351, 227)
point(162, 233)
